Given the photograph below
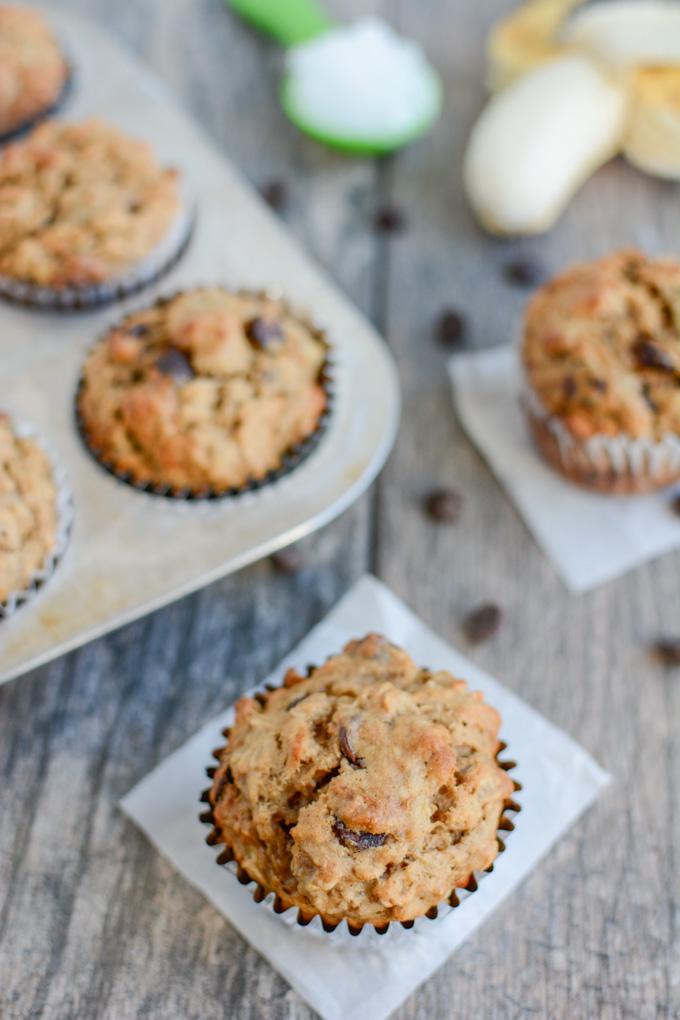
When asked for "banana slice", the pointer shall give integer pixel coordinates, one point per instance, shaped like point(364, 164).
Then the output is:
point(539, 140)
point(653, 139)
point(627, 33)
point(525, 39)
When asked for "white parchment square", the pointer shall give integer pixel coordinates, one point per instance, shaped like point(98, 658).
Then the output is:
point(340, 976)
point(590, 538)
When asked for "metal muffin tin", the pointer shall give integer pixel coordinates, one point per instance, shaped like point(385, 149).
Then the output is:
point(130, 552)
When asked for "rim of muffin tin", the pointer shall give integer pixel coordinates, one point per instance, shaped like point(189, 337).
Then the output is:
point(65, 518)
point(66, 92)
point(291, 458)
point(89, 297)
point(227, 858)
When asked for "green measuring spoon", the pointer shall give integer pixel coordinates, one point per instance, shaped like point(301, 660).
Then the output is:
point(296, 22)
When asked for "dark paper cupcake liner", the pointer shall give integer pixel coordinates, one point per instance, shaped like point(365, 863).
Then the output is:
point(290, 460)
point(227, 858)
point(65, 513)
point(93, 296)
point(52, 110)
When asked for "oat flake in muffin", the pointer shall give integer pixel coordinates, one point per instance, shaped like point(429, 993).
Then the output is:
point(366, 791)
point(601, 352)
point(81, 204)
point(203, 393)
point(33, 71)
point(28, 510)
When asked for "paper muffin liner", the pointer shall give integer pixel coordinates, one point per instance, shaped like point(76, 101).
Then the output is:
point(55, 107)
point(90, 296)
point(65, 514)
point(291, 458)
point(315, 920)
point(619, 465)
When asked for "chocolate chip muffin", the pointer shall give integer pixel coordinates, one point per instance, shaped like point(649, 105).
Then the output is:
point(28, 511)
point(204, 394)
point(601, 352)
point(86, 214)
point(366, 791)
point(33, 70)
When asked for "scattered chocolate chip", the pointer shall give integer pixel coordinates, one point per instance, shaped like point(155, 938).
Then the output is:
point(482, 623)
point(327, 778)
point(138, 329)
point(347, 750)
point(275, 194)
point(389, 219)
point(599, 385)
point(287, 561)
point(263, 333)
point(523, 272)
point(450, 328)
point(443, 505)
point(358, 840)
point(296, 701)
point(668, 650)
point(569, 386)
point(675, 504)
point(649, 355)
point(174, 364)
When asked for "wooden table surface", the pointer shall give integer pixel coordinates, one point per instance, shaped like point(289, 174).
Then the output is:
point(93, 923)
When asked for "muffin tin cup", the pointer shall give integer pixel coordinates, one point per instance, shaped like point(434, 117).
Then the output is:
point(65, 515)
point(290, 460)
point(91, 296)
point(15, 133)
point(618, 465)
point(327, 926)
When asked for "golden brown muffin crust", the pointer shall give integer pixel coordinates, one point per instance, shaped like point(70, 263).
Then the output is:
point(28, 510)
point(367, 791)
point(206, 391)
point(33, 70)
point(81, 203)
point(602, 347)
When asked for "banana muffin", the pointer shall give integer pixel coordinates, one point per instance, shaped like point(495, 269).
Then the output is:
point(81, 206)
point(204, 393)
point(366, 791)
point(601, 352)
point(33, 70)
point(28, 511)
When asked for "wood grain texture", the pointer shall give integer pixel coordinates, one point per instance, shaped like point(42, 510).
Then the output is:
point(93, 923)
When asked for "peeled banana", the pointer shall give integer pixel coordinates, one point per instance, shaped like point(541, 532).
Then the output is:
point(525, 39)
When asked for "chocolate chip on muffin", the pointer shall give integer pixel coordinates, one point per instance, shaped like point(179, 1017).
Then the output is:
point(178, 397)
point(366, 791)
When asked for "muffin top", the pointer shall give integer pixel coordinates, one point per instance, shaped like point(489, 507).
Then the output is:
point(205, 391)
point(81, 203)
point(602, 347)
point(28, 510)
point(32, 67)
point(367, 790)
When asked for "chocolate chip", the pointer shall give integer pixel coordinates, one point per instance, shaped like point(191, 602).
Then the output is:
point(275, 194)
point(649, 355)
point(389, 219)
point(443, 505)
point(175, 365)
point(358, 840)
point(138, 329)
point(649, 399)
point(668, 650)
point(263, 333)
point(347, 750)
point(287, 561)
point(523, 272)
point(450, 328)
point(599, 385)
point(482, 623)
point(569, 386)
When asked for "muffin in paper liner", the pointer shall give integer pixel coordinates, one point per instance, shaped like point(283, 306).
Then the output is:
point(291, 458)
point(90, 296)
point(49, 111)
point(618, 465)
point(65, 515)
point(291, 914)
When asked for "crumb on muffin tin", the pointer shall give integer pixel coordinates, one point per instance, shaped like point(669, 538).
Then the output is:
point(206, 393)
point(367, 791)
